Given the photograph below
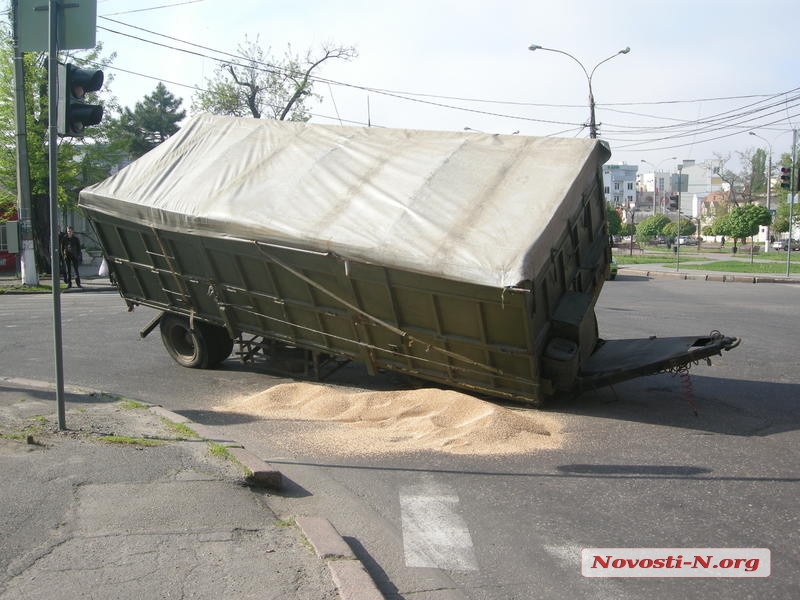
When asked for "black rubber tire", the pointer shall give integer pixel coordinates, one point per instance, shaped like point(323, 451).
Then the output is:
point(188, 347)
point(220, 344)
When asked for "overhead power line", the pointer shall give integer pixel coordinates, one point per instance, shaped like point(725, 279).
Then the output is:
point(267, 67)
point(417, 94)
point(740, 118)
point(136, 10)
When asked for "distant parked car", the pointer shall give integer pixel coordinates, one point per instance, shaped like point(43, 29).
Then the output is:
point(612, 270)
point(784, 245)
point(686, 241)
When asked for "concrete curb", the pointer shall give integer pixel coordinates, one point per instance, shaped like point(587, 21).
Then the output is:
point(260, 473)
point(351, 578)
point(257, 472)
point(212, 435)
point(327, 542)
point(703, 276)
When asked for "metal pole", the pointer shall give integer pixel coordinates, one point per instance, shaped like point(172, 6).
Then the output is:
point(678, 228)
point(792, 191)
point(29, 273)
point(655, 190)
point(769, 199)
point(52, 101)
point(769, 187)
point(592, 120)
point(633, 227)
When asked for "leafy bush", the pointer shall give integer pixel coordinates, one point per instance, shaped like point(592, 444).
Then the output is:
point(650, 228)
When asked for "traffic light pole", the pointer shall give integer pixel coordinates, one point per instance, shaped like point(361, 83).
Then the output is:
point(52, 140)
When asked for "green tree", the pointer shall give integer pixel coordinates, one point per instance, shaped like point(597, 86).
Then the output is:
point(754, 171)
point(614, 220)
point(742, 221)
point(152, 121)
point(780, 222)
point(650, 227)
point(8, 161)
point(686, 228)
point(259, 86)
point(74, 160)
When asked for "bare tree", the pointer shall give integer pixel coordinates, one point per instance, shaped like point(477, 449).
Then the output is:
point(733, 180)
point(257, 85)
point(753, 173)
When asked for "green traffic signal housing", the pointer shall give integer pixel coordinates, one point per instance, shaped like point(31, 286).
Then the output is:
point(74, 113)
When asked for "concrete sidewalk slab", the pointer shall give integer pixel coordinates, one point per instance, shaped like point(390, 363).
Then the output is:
point(154, 516)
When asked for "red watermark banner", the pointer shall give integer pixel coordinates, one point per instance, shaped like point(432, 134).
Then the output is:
point(675, 562)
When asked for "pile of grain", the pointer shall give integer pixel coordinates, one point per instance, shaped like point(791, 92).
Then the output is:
point(344, 421)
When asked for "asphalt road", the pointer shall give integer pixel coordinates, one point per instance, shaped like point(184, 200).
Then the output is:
point(638, 468)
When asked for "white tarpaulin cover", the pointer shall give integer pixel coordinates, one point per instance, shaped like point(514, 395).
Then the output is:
point(465, 206)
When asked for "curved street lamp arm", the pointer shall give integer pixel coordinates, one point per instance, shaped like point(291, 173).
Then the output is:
point(623, 51)
point(592, 121)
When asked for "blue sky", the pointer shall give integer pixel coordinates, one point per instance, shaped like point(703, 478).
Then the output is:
point(698, 78)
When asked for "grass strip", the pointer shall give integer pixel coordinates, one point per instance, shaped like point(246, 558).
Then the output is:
point(735, 266)
point(180, 429)
point(133, 441)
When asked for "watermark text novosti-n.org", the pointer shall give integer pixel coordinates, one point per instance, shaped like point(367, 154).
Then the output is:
point(675, 562)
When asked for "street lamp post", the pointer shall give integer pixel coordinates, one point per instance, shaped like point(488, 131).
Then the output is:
point(769, 187)
point(632, 209)
point(655, 172)
point(589, 75)
point(678, 228)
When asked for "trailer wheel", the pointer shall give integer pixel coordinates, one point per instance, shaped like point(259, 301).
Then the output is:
point(220, 344)
point(203, 347)
point(187, 346)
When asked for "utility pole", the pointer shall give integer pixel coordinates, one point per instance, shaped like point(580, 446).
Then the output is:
point(30, 275)
point(592, 119)
point(632, 213)
point(769, 187)
point(678, 228)
point(769, 199)
point(792, 193)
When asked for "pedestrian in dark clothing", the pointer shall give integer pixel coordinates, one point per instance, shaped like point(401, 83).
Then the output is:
point(62, 262)
point(71, 250)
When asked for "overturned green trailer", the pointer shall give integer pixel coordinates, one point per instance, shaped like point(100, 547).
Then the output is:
point(466, 259)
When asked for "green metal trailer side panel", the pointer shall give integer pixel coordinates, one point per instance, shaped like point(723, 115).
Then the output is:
point(455, 333)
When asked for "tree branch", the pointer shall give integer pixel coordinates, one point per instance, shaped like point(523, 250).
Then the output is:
point(250, 95)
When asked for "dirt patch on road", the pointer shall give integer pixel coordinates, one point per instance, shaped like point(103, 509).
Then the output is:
point(346, 421)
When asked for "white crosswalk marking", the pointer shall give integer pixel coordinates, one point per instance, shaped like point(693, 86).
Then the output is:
point(434, 534)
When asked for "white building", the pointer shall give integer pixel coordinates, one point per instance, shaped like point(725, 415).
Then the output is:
point(699, 180)
point(619, 184)
point(655, 189)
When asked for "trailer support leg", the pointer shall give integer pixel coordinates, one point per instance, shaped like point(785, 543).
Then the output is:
point(145, 331)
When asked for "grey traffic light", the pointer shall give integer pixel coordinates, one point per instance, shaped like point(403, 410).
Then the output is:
point(74, 113)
